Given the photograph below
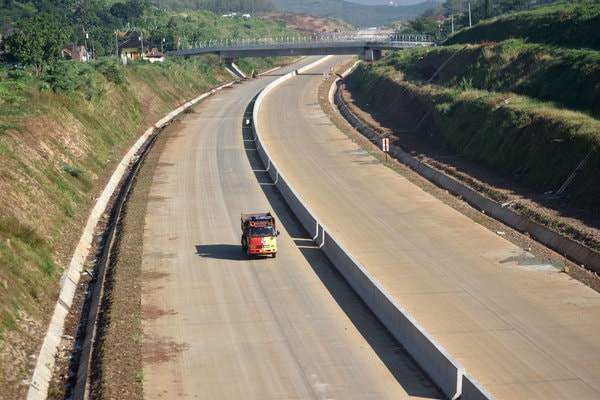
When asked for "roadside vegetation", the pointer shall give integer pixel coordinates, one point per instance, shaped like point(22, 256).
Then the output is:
point(58, 148)
point(520, 101)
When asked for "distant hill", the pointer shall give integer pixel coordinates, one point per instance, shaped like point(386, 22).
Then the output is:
point(358, 15)
point(386, 2)
point(216, 6)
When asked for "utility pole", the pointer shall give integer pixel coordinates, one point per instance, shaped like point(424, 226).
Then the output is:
point(470, 15)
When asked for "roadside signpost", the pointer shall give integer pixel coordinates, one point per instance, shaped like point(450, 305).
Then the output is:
point(385, 146)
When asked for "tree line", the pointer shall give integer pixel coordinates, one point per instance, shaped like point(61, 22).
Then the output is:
point(33, 32)
point(450, 16)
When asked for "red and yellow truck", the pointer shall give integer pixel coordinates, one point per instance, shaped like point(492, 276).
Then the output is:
point(259, 234)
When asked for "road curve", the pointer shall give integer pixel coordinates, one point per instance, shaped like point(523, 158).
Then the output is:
point(519, 326)
point(219, 326)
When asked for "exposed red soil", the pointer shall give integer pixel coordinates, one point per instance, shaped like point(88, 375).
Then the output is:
point(307, 24)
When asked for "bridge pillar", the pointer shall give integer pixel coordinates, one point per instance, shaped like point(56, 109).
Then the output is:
point(371, 55)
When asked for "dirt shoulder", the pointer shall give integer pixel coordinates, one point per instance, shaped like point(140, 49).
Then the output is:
point(116, 368)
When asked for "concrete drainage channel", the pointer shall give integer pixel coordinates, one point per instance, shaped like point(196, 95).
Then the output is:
point(120, 180)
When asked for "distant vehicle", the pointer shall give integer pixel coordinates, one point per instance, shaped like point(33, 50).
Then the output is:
point(259, 234)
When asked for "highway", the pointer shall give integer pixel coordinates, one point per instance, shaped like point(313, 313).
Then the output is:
point(217, 325)
point(519, 326)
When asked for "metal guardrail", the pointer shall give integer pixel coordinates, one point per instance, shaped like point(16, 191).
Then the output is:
point(393, 41)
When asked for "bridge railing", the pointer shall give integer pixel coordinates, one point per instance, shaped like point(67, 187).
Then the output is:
point(320, 38)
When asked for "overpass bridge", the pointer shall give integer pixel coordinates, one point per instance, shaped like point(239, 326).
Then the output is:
point(368, 46)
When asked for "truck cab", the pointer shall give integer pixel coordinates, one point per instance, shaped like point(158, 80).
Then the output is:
point(259, 234)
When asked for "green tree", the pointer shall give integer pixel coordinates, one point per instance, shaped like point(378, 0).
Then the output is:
point(37, 43)
point(456, 6)
point(424, 26)
point(83, 13)
point(129, 10)
point(488, 9)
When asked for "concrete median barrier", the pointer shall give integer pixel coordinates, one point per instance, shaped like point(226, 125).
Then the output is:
point(435, 361)
point(446, 372)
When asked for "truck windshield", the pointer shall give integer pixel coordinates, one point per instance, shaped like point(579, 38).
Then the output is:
point(264, 231)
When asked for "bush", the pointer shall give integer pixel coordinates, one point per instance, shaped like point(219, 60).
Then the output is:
point(67, 76)
point(112, 71)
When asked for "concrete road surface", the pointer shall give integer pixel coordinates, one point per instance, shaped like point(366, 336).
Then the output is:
point(220, 326)
point(522, 328)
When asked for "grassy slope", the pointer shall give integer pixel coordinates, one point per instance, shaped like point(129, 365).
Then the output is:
point(57, 152)
point(527, 109)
